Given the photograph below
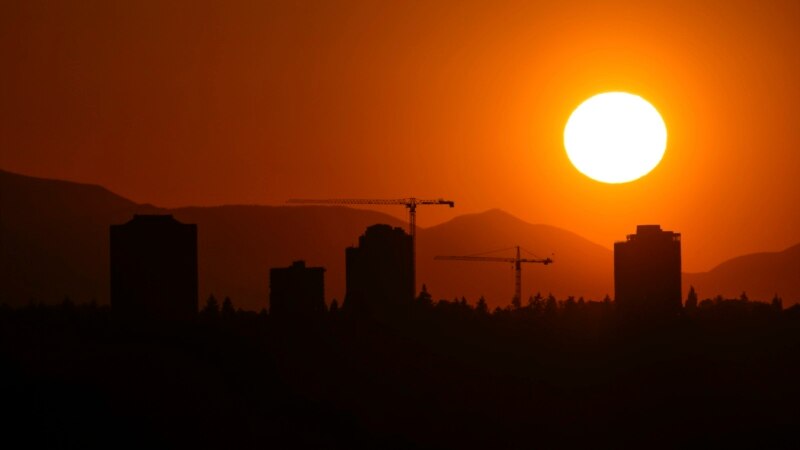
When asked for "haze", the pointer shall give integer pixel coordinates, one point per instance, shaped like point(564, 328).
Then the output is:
point(201, 103)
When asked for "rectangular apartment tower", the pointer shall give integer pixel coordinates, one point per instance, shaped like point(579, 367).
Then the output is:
point(380, 271)
point(297, 290)
point(647, 272)
point(154, 269)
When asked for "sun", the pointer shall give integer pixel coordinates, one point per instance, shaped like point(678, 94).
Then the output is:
point(615, 137)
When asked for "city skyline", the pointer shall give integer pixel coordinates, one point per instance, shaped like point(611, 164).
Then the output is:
point(400, 224)
point(240, 243)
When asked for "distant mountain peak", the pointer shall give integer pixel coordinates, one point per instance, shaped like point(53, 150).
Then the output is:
point(55, 243)
point(490, 215)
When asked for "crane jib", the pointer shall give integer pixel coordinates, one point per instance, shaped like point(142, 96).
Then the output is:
point(409, 202)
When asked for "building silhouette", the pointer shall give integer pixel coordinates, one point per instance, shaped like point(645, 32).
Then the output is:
point(154, 268)
point(647, 272)
point(297, 290)
point(380, 271)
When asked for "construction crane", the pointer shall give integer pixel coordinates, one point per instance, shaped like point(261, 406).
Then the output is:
point(517, 261)
point(411, 203)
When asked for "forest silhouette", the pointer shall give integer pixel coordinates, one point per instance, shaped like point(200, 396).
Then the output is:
point(179, 303)
point(398, 371)
point(432, 374)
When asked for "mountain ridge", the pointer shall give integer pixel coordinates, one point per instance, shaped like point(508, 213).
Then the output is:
point(761, 275)
point(62, 249)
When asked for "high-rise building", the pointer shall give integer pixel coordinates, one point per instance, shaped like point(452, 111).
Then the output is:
point(380, 271)
point(647, 271)
point(154, 268)
point(297, 290)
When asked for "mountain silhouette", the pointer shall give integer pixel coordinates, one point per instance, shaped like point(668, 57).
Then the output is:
point(239, 244)
point(760, 275)
point(54, 238)
point(581, 268)
point(54, 243)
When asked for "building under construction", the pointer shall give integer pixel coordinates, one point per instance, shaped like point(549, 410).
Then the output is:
point(380, 271)
point(297, 290)
point(154, 268)
point(647, 272)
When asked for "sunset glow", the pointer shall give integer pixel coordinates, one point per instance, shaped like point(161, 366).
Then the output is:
point(615, 137)
point(368, 224)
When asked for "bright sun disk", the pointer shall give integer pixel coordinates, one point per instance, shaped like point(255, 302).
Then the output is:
point(615, 137)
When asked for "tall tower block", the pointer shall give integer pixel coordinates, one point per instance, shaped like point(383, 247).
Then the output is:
point(647, 272)
point(380, 271)
point(154, 268)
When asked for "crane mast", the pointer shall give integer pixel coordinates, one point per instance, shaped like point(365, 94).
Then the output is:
point(517, 261)
point(410, 203)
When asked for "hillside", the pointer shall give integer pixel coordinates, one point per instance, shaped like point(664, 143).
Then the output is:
point(54, 238)
point(54, 243)
point(761, 275)
point(581, 267)
point(239, 244)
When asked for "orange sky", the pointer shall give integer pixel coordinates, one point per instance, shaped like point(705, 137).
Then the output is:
point(255, 102)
